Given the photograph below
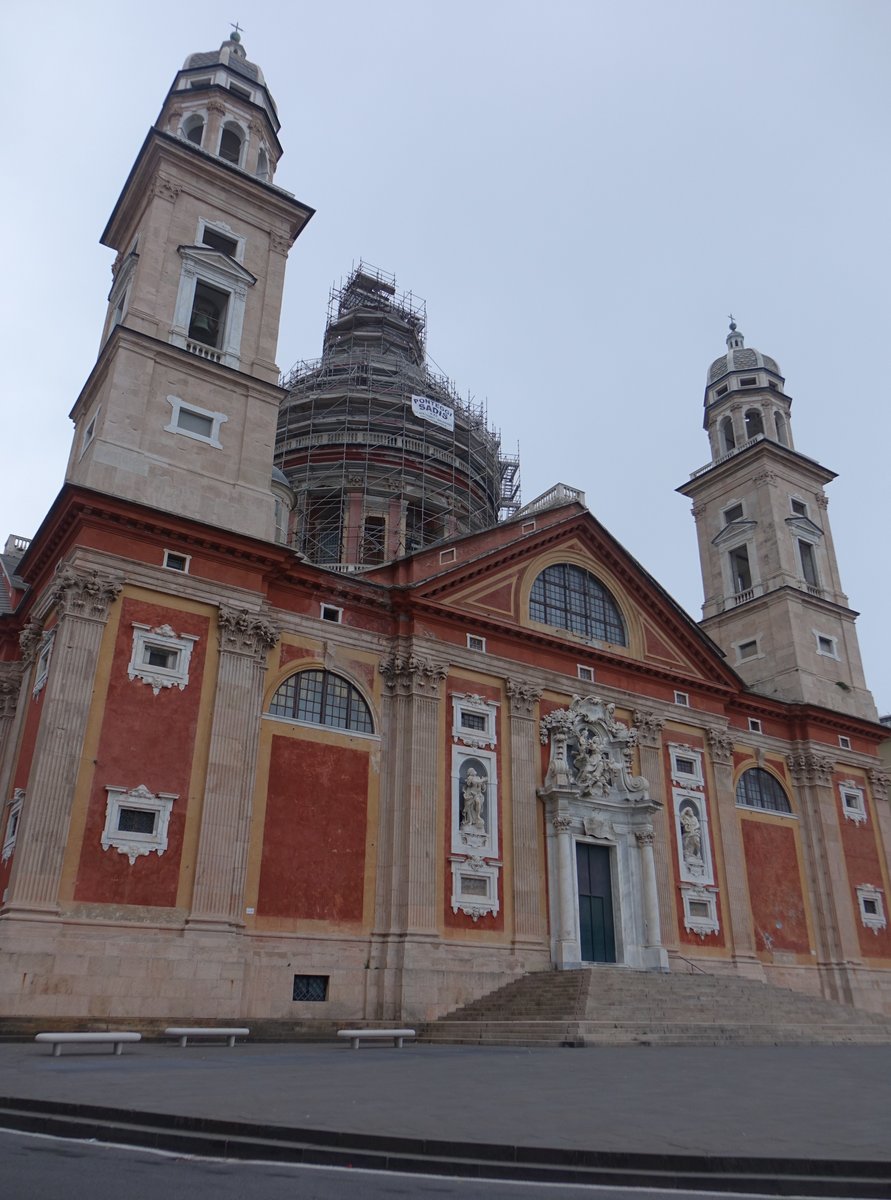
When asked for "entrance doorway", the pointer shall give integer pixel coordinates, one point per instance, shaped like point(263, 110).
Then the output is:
point(597, 935)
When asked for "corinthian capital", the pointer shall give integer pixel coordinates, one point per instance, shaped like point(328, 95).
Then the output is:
point(523, 697)
point(10, 685)
point(245, 632)
point(406, 674)
point(84, 594)
point(720, 743)
point(648, 726)
point(879, 781)
point(809, 767)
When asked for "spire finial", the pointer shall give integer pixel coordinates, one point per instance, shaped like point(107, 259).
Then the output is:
point(732, 324)
point(237, 31)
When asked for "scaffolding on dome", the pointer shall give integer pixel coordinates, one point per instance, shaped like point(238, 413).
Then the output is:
point(383, 454)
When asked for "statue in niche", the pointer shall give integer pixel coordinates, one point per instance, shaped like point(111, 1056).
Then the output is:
point(593, 773)
point(691, 839)
point(473, 795)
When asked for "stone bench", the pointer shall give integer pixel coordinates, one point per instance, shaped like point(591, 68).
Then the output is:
point(116, 1038)
point(184, 1032)
point(359, 1035)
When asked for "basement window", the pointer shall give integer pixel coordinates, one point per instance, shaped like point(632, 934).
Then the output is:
point(310, 989)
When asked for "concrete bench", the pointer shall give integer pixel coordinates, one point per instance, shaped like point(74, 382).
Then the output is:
point(58, 1040)
point(360, 1035)
point(185, 1032)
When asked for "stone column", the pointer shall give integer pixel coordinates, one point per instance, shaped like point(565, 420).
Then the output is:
point(412, 786)
point(530, 929)
point(878, 782)
point(568, 950)
point(737, 909)
point(10, 722)
point(838, 945)
point(218, 899)
point(649, 741)
point(645, 839)
point(82, 601)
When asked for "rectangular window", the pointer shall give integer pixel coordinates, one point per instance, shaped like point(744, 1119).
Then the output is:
point(243, 93)
point(682, 698)
point(374, 540)
point(853, 802)
point(844, 742)
point(826, 645)
point(310, 989)
point(872, 907)
point(476, 643)
point(219, 241)
point(723, 390)
point(176, 562)
point(136, 820)
point(208, 319)
point(733, 513)
point(685, 766)
point(755, 725)
point(799, 507)
point(747, 649)
point(159, 656)
point(330, 612)
point(527, 527)
point(448, 556)
point(586, 674)
point(195, 422)
point(473, 720)
point(749, 381)
point(740, 571)
point(808, 563)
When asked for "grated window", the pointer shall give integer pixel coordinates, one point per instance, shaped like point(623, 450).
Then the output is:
point(311, 988)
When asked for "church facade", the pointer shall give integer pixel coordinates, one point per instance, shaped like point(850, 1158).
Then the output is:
point(357, 736)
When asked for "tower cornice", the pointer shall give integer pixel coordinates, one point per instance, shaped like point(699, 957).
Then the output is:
point(760, 447)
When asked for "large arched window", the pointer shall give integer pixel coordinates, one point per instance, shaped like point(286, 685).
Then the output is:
point(571, 598)
point(322, 699)
point(760, 789)
point(231, 140)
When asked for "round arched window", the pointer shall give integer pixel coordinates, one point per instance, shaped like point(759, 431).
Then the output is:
point(322, 698)
point(569, 597)
point(760, 789)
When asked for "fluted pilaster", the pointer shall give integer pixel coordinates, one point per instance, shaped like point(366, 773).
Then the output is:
point(737, 910)
point(652, 766)
point(245, 640)
point(82, 600)
point(529, 920)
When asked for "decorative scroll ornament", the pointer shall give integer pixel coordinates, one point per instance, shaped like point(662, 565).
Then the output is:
point(721, 745)
point(407, 673)
point(591, 751)
point(523, 697)
point(879, 781)
point(649, 726)
point(810, 768)
point(244, 632)
point(83, 594)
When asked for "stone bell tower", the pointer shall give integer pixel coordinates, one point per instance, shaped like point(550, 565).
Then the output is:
point(180, 411)
point(773, 597)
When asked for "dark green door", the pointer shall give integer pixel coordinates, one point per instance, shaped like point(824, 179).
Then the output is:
point(597, 935)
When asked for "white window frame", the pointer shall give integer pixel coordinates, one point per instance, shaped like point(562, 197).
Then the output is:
point(203, 264)
point(12, 824)
point(793, 500)
point(853, 801)
point(325, 608)
point(877, 920)
point(162, 637)
point(225, 231)
point(187, 560)
point(44, 657)
point(694, 922)
point(448, 556)
point(466, 702)
point(749, 641)
point(755, 725)
point(473, 905)
point(682, 699)
point(89, 433)
point(477, 643)
point(844, 742)
point(725, 521)
point(826, 637)
point(678, 750)
point(585, 674)
point(217, 420)
point(128, 842)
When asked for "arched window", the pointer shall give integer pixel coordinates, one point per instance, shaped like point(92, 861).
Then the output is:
point(230, 144)
point(322, 699)
point(727, 439)
point(780, 422)
point(193, 128)
point(754, 423)
point(760, 789)
point(571, 598)
point(262, 164)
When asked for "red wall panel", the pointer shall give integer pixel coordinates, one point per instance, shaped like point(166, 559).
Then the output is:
point(775, 886)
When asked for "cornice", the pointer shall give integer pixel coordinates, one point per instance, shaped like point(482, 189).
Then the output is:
point(763, 448)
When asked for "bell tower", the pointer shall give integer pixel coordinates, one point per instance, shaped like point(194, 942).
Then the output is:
point(180, 411)
point(773, 597)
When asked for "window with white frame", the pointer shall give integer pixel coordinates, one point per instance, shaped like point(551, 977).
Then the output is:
point(330, 612)
point(872, 906)
point(700, 911)
point(826, 645)
point(12, 824)
point(755, 725)
point(853, 801)
point(586, 674)
point(160, 657)
point(473, 720)
point(136, 821)
point(232, 142)
point(734, 513)
point(89, 433)
point(682, 699)
point(209, 316)
point(476, 643)
point(201, 424)
point(44, 654)
point(747, 649)
point(686, 765)
point(174, 561)
point(220, 236)
point(799, 508)
point(844, 742)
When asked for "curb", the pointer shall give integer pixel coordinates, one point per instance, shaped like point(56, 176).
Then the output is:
point(215, 1138)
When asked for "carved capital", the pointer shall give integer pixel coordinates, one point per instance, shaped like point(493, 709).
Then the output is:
point(562, 823)
point(765, 477)
point(214, 106)
point(280, 244)
point(809, 767)
point(720, 743)
point(255, 127)
point(165, 188)
point(822, 500)
point(245, 632)
point(879, 781)
point(29, 640)
point(83, 594)
point(407, 674)
point(648, 726)
point(10, 686)
point(698, 509)
point(523, 697)
point(644, 837)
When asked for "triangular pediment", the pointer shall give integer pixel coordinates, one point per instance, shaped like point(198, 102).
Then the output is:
point(224, 263)
point(493, 574)
point(804, 526)
point(733, 531)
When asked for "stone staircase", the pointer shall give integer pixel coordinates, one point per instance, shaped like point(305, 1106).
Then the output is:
point(615, 1006)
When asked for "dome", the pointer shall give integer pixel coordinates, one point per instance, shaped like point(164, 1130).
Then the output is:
point(739, 357)
point(278, 476)
point(231, 54)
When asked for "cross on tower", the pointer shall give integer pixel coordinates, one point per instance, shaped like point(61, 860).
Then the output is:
point(237, 30)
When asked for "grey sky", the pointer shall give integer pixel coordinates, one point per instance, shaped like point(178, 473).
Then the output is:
point(580, 191)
